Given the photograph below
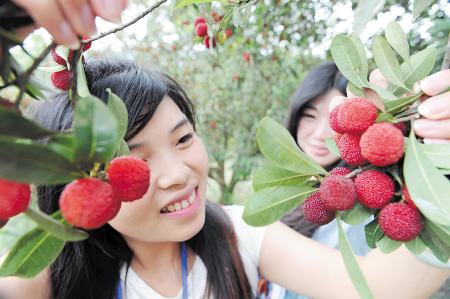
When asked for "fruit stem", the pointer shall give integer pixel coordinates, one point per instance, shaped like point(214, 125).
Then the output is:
point(408, 118)
point(359, 170)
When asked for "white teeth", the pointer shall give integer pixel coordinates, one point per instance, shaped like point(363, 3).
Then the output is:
point(180, 205)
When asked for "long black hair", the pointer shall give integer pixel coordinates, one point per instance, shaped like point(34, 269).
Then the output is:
point(90, 269)
point(318, 82)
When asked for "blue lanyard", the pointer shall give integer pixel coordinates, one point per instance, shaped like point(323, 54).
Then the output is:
point(183, 274)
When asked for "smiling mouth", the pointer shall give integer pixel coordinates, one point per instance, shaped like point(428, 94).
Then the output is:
point(183, 204)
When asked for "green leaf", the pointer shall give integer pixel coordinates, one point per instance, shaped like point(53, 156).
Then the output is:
point(14, 124)
point(420, 6)
point(272, 176)
point(416, 246)
point(118, 108)
point(189, 2)
point(373, 233)
point(278, 146)
point(225, 20)
point(237, 18)
point(123, 149)
point(357, 214)
point(34, 163)
point(421, 65)
point(439, 154)
point(32, 253)
point(332, 147)
point(385, 95)
point(387, 62)
point(387, 245)
point(442, 232)
point(56, 228)
point(82, 86)
point(95, 131)
point(395, 106)
point(426, 186)
point(63, 51)
point(362, 53)
point(35, 92)
point(356, 90)
point(248, 12)
point(385, 118)
point(270, 204)
point(52, 69)
point(351, 263)
point(346, 56)
point(63, 145)
point(440, 249)
point(397, 39)
point(365, 11)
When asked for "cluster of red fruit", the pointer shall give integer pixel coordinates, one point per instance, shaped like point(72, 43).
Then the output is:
point(361, 141)
point(201, 29)
point(61, 79)
point(89, 202)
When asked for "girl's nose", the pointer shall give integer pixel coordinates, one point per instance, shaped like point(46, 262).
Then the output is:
point(173, 172)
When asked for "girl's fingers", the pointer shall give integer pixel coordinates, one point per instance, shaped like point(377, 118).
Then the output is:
point(109, 10)
point(335, 102)
point(378, 79)
point(80, 16)
point(435, 83)
point(427, 128)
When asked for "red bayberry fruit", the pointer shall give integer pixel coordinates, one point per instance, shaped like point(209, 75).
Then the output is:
point(375, 189)
point(228, 32)
point(61, 79)
point(408, 198)
point(333, 120)
point(88, 203)
point(199, 20)
point(3, 222)
point(337, 138)
point(315, 212)
point(343, 171)
point(246, 56)
point(129, 177)
point(356, 115)
point(213, 124)
point(400, 222)
point(88, 45)
point(338, 193)
point(201, 29)
point(350, 150)
point(382, 144)
point(401, 127)
point(14, 198)
point(206, 40)
point(58, 59)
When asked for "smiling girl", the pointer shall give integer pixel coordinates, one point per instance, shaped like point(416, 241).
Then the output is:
point(173, 242)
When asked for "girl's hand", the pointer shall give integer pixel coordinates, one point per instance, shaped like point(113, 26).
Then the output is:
point(435, 126)
point(65, 20)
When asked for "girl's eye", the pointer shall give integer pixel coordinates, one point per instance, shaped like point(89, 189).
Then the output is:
point(308, 115)
point(185, 138)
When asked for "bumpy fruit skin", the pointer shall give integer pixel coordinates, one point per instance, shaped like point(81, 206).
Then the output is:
point(375, 189)
point(382, 144)
point(201, 29)
point(221, 37)
point(401, 127)
point(206, 40)
point(338, 193)
point(400, 222)
point(129, 176)
point(315, 212)
point(337, 138)
point(88, 203)
point(14, 198)
point(334, 124)
point(199, 20)
point(408, 198)
point(356, 115)
point(350, 150)
point(343, 171)
point(58, 59)
point(61, 79)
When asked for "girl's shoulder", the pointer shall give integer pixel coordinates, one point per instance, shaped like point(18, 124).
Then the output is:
point(37, 287)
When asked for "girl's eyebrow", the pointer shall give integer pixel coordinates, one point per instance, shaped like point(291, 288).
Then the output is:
point(140, 144)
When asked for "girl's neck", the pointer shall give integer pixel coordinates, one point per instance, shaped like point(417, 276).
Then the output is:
point(156, 255)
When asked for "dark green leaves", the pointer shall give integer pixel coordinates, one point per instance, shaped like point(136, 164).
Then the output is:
point(15, 125)
point(357, 214)
point(273, 176)
point(278, 146)
point(351, 263)
point(34, 163)
point(270, 204)
point(427, 187)
point(95, 131)
point(189, 2)
point(387, 245)
point(373, 233)
point(332, 147)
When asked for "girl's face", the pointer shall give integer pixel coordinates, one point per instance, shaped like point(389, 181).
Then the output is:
point(314, 127)
point(173, 209)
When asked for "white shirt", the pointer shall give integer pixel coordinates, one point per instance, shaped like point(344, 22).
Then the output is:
point(249, 245)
